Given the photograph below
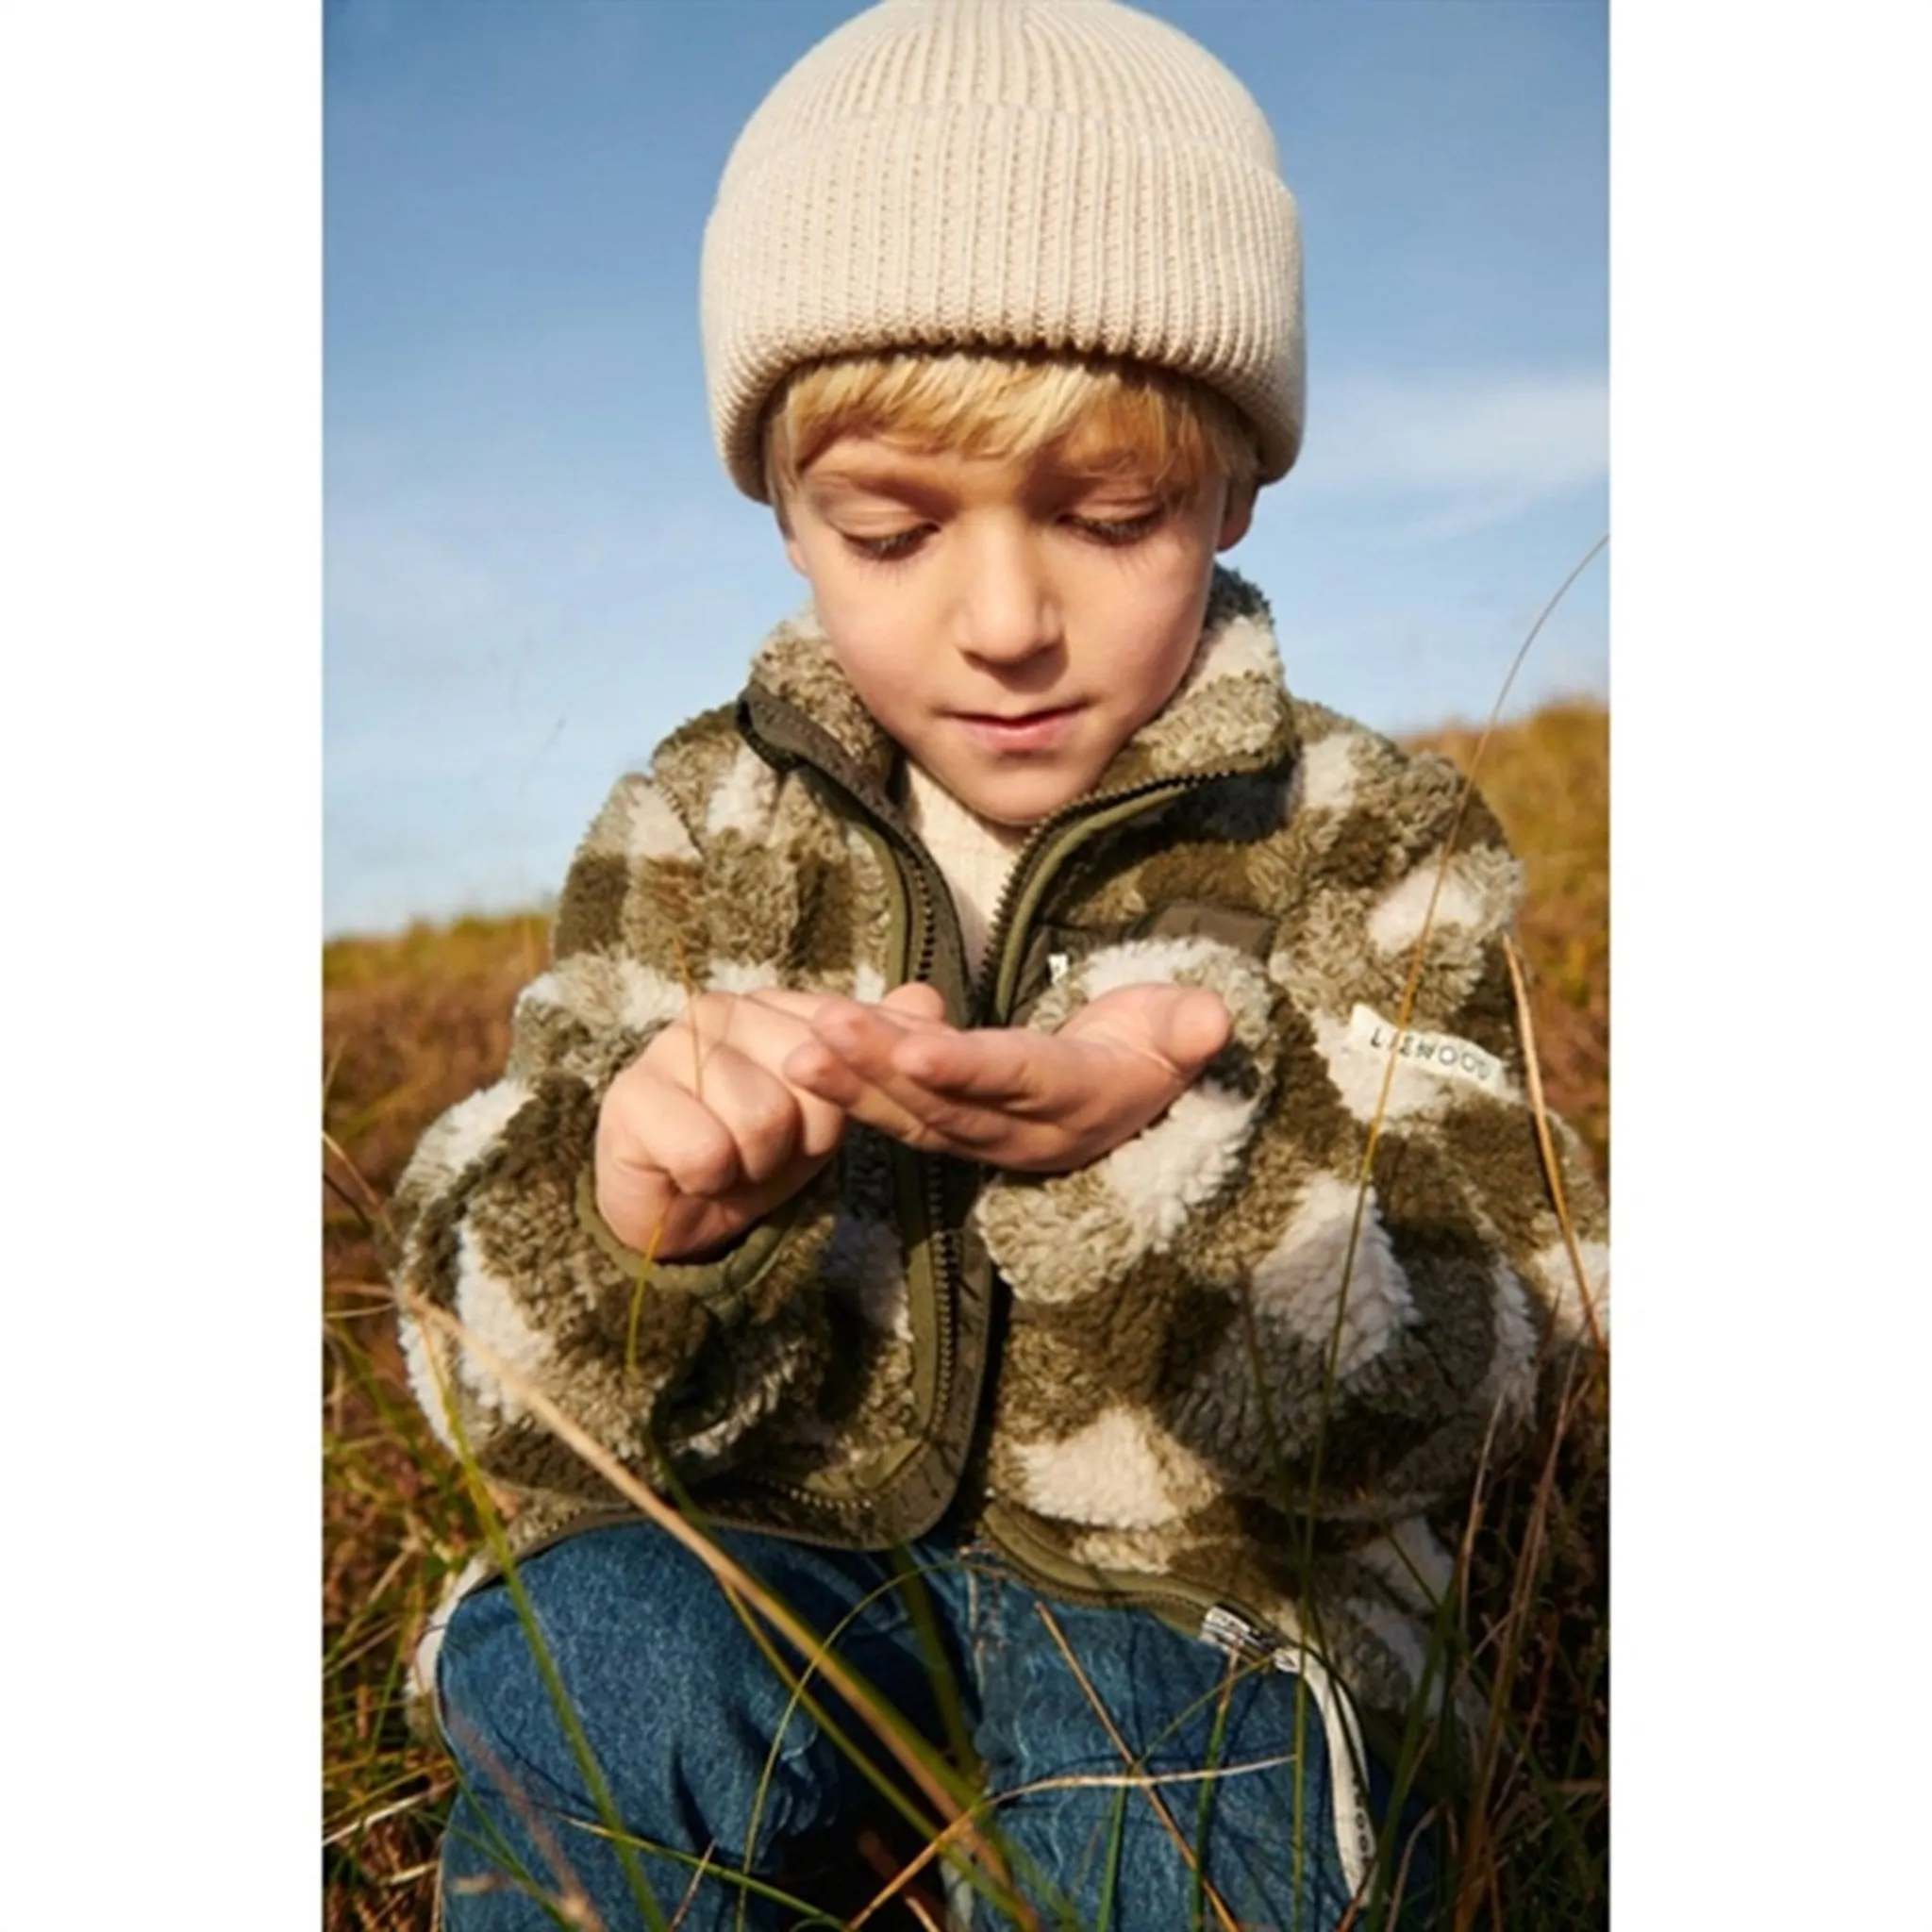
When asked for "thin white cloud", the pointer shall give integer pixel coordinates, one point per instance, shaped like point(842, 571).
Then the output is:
point(1456, 452)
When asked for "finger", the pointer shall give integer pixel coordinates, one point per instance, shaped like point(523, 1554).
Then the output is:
point(856, 1068)
point(1008, 1068)
point(880, 1045)
point(659, 1127)
point(912, 1006)
point(844, 1056)
point(636, 1203)
point(785, 999)
point(769, 1035)
point(912, 1001)
point(1187, 1032)
point(813, 1069)
point(1182, 1027)
point(727, 1123)
point(940, 1074)
point(763, 1027)
point(916, 1001)
point(848, 1061)
point(750, 1022)
point(763, 1116)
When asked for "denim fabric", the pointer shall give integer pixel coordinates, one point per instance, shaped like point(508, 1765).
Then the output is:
point(680, 1708)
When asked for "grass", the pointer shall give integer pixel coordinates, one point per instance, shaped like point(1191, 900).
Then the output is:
point(412, 1023)
point(1549, 782)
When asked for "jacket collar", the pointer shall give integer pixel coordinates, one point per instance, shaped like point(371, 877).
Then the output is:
point(1231, 713)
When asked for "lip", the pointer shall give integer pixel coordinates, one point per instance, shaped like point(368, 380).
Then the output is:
point(1022, 731)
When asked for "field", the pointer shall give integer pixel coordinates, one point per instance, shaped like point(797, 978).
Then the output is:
point(413, 1023)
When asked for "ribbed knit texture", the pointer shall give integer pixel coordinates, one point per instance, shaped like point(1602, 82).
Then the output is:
point(975, 854)
point(1062, 174)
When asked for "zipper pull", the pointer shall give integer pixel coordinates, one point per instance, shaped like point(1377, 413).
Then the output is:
point(1354, 1829)
point(1232, 1634)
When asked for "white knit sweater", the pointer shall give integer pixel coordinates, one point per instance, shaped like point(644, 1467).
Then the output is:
point(975, 854)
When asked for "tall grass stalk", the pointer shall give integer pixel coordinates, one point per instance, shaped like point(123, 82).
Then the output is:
point(915, 1757)
point(1223, 1916)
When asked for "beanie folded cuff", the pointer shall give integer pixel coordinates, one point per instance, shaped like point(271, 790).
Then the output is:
point(1131, 211)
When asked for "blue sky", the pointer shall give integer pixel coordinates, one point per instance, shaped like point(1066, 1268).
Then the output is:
point(534, 565)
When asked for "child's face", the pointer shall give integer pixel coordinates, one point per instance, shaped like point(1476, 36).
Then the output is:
point(1010, 624)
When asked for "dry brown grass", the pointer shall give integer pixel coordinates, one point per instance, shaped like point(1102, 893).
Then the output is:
point(1538, 1849)
point(1548, 780)
point(412, 1023)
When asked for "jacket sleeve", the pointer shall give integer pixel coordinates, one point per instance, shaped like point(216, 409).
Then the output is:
point(497, 1222)
point(1342, 1322)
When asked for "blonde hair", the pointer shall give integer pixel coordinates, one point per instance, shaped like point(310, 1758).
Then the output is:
point(1099, 418)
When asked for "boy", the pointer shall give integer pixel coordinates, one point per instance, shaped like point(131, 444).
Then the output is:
point(1019, 1099)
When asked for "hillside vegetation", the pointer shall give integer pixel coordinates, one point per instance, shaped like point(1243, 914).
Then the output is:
point(413, 1023)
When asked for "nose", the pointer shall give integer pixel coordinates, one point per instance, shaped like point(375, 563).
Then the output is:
point(1008, 611)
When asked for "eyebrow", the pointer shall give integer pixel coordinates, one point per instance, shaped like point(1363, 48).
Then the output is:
point(863, 479)
point(865, 476)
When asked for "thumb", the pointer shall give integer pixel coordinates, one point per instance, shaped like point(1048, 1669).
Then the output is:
point(1190, 1028)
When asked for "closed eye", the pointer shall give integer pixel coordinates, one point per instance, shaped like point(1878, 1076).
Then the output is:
point(1121, 530)
point(888, 549)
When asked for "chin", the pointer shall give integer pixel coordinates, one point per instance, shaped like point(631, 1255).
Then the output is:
point(1017, 807)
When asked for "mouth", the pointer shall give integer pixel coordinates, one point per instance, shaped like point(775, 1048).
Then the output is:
point(1036, 730)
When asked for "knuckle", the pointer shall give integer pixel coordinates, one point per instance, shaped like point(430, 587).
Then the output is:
point(767, 1119)
point(707, 1163)
point(944, 1119)
point(624, 1120)
point(708, 1010)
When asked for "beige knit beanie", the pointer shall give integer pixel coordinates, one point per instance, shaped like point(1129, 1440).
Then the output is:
point(1017, 173)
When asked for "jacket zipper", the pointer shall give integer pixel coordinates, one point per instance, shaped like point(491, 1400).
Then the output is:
point(927, 903)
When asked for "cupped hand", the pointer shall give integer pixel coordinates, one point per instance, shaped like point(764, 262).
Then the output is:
point(1040, 1103)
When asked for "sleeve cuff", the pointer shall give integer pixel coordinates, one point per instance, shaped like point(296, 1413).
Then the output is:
point(727, 1283)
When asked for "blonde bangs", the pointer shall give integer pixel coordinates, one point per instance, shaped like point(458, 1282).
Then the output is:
point(1098, 419)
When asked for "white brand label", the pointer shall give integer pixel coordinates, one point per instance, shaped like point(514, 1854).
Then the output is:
point(1439, 1053)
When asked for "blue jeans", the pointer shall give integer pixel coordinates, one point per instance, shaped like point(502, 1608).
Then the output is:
point(681, 1709)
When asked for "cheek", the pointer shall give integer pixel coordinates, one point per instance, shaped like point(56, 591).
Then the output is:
point(876, 671)
point(849, 617)
point(1165, 632)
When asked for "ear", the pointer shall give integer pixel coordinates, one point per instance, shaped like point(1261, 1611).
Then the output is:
point(1237, 515)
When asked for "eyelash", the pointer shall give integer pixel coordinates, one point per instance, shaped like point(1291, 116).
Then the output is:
point(1122, 531)
point(1116, 532)
point(893, 549)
